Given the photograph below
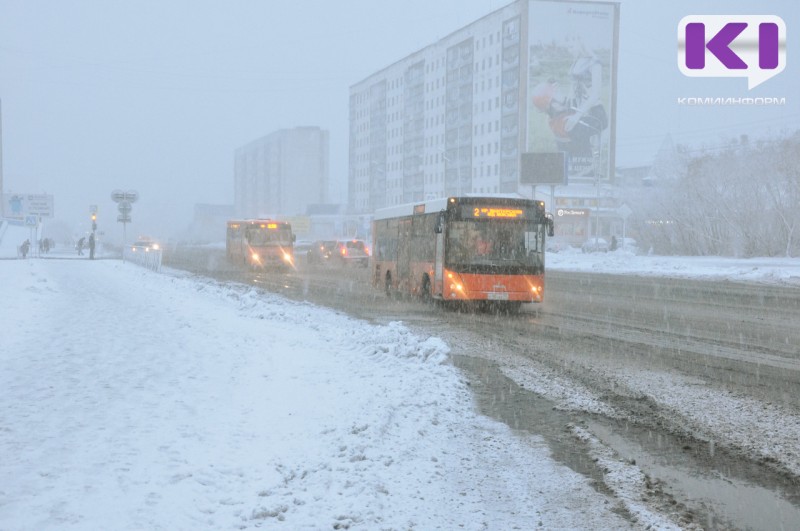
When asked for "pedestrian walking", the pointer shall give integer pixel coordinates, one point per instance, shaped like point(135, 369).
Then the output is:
point(80, 245)
point(24, 248)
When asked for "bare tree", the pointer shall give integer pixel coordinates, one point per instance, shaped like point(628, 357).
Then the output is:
point(739, 199)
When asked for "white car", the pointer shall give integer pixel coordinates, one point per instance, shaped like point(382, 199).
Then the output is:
point(145, 244)
point(629, 245)
point(595, 245)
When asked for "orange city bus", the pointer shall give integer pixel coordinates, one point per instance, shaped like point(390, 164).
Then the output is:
point(488, 250)
point(261, 243)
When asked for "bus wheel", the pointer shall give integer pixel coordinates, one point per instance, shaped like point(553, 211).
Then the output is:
point(387, 285)
point(426, 290)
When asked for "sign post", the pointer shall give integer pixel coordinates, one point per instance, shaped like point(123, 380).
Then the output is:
point(124, 202)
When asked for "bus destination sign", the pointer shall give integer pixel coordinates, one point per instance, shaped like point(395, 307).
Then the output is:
point(497, 212)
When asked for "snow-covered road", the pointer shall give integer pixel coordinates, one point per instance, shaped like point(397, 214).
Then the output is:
point(133, 400)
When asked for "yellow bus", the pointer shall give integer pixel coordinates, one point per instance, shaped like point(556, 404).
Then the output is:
point(260, 243)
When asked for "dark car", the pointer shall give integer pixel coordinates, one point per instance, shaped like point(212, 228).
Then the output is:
point(301, 247)
point(351, 252)
point(320, 251)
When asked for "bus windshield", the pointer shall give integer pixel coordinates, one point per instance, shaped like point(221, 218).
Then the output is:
point(258, 237)
point(508, 247)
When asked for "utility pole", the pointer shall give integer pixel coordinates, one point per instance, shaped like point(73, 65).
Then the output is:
point(596, 153)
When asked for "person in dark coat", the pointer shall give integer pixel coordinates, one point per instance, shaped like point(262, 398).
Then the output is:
point(91, 246)
point(24, 248)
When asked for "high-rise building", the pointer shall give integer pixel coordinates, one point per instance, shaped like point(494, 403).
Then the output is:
point(281, 173)
point(523, 96)
point(2, 198)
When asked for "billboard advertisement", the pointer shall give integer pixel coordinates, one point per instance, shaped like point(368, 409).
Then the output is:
point(572, 53)
point(18, 206)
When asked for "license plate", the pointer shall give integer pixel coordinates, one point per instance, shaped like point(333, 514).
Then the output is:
point(498, 296)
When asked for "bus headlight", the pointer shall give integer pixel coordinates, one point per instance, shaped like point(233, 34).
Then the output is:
point(287, 257)
point(255, 257)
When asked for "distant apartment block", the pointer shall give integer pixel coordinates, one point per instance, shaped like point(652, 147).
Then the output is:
point(282, 173)
point(462, 114)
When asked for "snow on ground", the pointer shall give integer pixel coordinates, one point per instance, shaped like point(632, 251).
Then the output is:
point(133, 400)
point(765, 269)
point(136, 400)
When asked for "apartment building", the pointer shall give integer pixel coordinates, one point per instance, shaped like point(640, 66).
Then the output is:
point(533, 80)
point(282, 173)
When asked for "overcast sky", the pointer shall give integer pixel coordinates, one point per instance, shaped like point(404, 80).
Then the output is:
point(156, 95)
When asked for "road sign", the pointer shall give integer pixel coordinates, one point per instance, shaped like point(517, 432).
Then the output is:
point(576, 212)
point(118, 196)
point(124, 207)
point(31, 221)
point(124, 218)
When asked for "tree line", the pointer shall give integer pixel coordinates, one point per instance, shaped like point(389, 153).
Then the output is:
point(741, 200)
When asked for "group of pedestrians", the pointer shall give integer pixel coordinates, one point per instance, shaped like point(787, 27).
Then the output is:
point(46, 244)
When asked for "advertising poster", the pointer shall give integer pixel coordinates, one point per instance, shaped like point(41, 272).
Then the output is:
point(571, 83)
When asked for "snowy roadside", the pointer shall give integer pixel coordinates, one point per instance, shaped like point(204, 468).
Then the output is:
point(769, 270)
point(135, 400)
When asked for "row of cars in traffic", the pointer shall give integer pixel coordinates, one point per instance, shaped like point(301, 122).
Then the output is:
point(353, 252)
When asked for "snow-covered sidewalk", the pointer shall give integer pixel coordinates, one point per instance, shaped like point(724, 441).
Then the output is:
point(772, 270)
point(133, 400)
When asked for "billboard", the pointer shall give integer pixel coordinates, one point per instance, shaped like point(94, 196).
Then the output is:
point(571, 84)
point(18, 206)
point(543, 168)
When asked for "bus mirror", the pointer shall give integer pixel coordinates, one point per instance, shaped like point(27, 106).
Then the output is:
point(439, 227)
point(551, 231)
